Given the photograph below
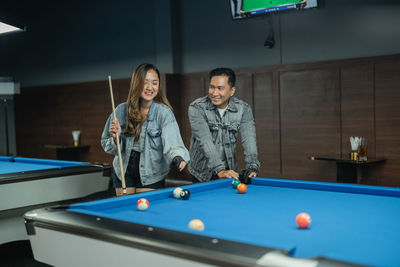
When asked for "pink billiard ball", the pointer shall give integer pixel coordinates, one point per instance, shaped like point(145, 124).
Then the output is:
point(303, 220)
point(142, 204)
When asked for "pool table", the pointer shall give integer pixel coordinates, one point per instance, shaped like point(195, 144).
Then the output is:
point(351, 225)
point(28, 183)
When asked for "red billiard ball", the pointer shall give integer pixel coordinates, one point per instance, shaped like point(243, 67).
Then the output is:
point(242, 188)
point(303, 220)
point(142, 204)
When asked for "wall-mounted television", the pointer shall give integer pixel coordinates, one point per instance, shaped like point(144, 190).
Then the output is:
point(248, 8)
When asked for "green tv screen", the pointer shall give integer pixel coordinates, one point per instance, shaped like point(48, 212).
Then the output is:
point(253, 5)
point(249, 8)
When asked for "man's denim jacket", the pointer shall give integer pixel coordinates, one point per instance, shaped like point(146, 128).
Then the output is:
point(206, 124)
point(160, 141)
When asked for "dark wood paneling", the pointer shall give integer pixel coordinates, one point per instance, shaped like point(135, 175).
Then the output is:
point(244, 91)
point(266, 115)
point(181, 91)
point(358, 110)
point(310, 122)
point(357, 101)
point(244, 87)
point(387, 102)
point(192, 87)
point(49, 114)
point(172, 85)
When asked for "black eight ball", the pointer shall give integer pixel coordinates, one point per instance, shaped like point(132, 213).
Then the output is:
point(185, 194)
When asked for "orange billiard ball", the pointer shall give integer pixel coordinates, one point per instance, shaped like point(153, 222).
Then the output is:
point(242, 188)
point(196, 224)
point(303, 220)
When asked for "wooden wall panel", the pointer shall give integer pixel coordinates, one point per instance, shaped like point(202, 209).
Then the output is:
point(181, 91)
point(266, 115)
point(310, 121)
point(244, 91)
point(358, 110)
point(32, 122)
point(358, 105)
point(172, 85)
point(244, 88)
point(192, 87)
point(57, 110)
point(387, 86)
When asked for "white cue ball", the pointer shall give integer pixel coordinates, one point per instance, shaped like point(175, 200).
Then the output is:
point(177, 192)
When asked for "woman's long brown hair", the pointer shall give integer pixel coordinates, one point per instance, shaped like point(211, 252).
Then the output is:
point(134, 118)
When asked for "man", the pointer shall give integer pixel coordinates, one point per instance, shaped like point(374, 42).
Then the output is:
point(216, 120)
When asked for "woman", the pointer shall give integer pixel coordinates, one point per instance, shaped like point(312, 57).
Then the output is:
point(151, 141)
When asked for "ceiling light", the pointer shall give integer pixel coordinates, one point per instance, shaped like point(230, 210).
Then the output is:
point(4, 28)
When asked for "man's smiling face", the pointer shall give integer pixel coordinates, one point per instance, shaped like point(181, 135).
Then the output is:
point(220, 91)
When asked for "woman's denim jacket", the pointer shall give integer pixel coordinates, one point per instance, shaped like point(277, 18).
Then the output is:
point(160, 141)
point(207, 123)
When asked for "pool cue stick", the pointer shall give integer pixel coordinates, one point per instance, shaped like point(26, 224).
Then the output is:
point(118, 145)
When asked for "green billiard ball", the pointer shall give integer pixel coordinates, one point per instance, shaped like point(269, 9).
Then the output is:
point(235, 183)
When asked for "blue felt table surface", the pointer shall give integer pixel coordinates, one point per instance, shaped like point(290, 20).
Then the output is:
point(352, 223)
point(20, 164)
